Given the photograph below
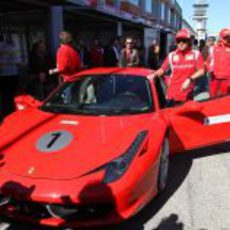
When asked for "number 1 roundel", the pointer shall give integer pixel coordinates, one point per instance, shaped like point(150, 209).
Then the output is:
point(54, 141)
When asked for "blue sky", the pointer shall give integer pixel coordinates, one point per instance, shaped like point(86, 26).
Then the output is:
point(218, 13)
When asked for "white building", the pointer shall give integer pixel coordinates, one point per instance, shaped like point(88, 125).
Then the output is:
point(200, 18)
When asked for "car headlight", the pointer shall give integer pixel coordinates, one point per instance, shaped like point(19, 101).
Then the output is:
point(116, 168)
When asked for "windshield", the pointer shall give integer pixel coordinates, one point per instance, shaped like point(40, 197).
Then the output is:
point(102, 95)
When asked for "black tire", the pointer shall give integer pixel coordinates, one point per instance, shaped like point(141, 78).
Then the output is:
point(164, 165)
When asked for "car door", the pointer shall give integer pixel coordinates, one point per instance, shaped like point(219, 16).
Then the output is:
point(199, 123)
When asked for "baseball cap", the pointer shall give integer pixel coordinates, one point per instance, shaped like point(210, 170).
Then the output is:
point(183, 34)
point(224, 32)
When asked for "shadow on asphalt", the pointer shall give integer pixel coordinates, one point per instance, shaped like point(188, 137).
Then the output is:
point(180, 166)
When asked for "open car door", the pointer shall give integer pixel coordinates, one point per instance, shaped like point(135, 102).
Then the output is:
point(197, 124)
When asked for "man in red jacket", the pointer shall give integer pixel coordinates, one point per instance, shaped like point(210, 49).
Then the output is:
point(186, 65)
point(67, 58)
point(219, 65)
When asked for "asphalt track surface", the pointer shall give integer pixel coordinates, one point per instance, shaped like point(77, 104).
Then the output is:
point(197, 196)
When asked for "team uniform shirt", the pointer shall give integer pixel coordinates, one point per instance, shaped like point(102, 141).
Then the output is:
point(219, 65)
point(68, 61)
point(182, 65)
point(219, 61)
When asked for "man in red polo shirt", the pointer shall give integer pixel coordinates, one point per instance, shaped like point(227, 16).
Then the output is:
point(67, 58)
point(186, 65)
point(219, 65)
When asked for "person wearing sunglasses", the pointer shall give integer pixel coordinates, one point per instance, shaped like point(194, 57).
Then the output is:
point(186, 65)
point(129, 56)
point(219, 65)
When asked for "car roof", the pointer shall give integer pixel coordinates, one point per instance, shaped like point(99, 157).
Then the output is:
point(135, 71)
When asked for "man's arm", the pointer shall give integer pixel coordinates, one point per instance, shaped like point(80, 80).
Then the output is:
point(187, 82)
point(158, 73)
point(137, 60)
point(199, 73)
point(161, 71)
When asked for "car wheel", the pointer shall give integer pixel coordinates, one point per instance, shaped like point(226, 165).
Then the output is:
point(164, 165)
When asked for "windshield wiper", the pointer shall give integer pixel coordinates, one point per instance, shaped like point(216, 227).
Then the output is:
point(130, 110)
point(112, 111)
point(92, 109)
point(61, 108)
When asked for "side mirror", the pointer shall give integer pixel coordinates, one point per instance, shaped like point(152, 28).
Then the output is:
point(189, 107)
point(23, 102)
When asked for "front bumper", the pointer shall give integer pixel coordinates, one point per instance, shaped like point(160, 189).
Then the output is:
point(39, 213)
point(111, 203)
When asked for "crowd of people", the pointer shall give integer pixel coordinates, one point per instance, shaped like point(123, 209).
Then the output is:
point(192, 66)
point(73, 56)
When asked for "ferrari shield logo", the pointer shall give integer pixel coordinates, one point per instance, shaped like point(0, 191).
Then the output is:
point(189, 57)
point(175, 58)
point(31, 170)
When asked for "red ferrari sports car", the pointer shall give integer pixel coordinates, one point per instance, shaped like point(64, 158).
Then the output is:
point(96, 151)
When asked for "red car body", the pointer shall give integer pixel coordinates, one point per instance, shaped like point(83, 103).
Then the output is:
point(38, 184)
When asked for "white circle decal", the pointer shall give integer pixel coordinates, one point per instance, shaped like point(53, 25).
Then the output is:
point(54, 141)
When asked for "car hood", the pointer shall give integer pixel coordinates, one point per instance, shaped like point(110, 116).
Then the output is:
point(51, 146)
